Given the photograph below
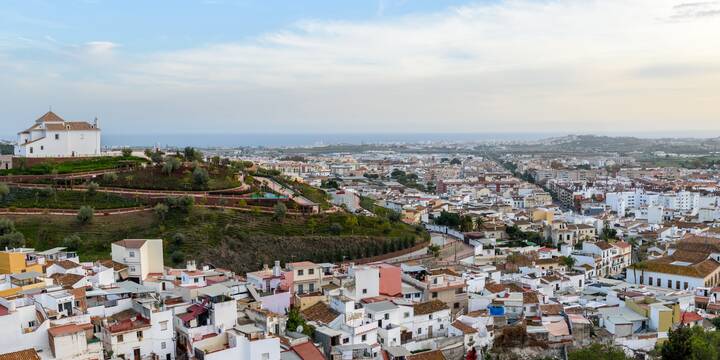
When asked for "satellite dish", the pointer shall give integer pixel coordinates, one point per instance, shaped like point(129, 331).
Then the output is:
point(299, 329)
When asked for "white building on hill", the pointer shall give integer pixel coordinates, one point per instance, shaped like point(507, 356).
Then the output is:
point(51, 136)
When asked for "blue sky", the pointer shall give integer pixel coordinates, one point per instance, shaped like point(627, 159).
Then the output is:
point(363, 66)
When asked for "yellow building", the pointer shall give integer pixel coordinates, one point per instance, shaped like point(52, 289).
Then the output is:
point(543, 214)
point(661, 316)
point(14, 262)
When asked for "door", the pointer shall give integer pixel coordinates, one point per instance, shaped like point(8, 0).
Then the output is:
point(136, 354)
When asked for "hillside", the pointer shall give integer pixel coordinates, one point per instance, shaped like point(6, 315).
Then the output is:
point(240, 241)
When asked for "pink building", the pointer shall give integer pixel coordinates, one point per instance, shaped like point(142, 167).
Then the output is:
point(390, 280)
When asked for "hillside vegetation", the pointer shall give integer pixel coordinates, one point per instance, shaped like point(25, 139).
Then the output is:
point(241, 241)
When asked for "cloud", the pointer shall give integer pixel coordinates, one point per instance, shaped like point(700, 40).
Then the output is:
point(696, 10)
point(551, 65)
point(100, 48)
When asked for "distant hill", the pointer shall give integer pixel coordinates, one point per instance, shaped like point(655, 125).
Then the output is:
point(583, 144)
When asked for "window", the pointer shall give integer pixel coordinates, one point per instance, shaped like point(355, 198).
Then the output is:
point(456, 305)
point(197, 280)
point(31, 323)
point(139, 334)
point(163, 325)
point(442, 326)
point(57, 136)
point(685, 285)
point(406, 315)
point(311, 271)
point(162, 345)
point(311, 287)
point(131, 254)
point(434, 295)
point(132, 269)
point(300, 289)
point(265, 356)
point(363, 337)
point(659, 282)
point(346, 340)
point(120, 338)
point(430, 316)
point(60, 309)
point(407, 296)
point(300, 272)
point(364, 291)
point(641, 279)
point(31, 150)
point(387, 316)
point(42, 147)
point(419, 331)
point(677, 284)
point(669, 284)
point(650, 280)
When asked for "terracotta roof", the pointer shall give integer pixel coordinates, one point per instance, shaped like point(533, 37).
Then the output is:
point(430, 355)
point(320, 312)
point(496, 288)
point(665, 265)
point(444, 271)
point(27, 354)
point(307, 351)
point(68, 329)
point(603, 245)
point(112, 265)
point(126, 320)
point(691, 317)
point(71, 126)
point(66, 264)
point(131, 243)
point(530, 297)
point(551, 309)
point(49, 116)
point(66, 279)
point(466, 329)
point(622, 244)
point(429, 307)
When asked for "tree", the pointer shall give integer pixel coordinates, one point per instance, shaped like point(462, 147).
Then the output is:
point(85, 215)
point(4, 191)
point(455, 161)
point(200, 178)
point(72, 242)
point(9, 237)
point(171, 165)
point(126, 152)
point(161, 211)
point(295, 320)
point(598, 352)
point(434, 250)
point(12, 240)
point(279, 211)
point(189, 153)
point(568, 261)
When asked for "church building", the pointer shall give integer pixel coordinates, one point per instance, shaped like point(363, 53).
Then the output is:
point(51, 136)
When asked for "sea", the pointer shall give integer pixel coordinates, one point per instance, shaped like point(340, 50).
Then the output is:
point(307, 139)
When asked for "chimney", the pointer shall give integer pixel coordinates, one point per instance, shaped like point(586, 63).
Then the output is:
point(276, 269)
point(191, 265)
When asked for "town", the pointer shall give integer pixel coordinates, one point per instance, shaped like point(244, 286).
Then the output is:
point(555, 249)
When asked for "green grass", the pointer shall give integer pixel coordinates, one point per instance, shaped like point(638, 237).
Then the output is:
point(42, 198)
point(240, 241)
point(152, 178)
point(81, 165)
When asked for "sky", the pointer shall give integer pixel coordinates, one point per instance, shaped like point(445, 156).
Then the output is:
point(382, 66)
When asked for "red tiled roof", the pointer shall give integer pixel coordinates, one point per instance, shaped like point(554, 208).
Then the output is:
point(27, 354)
point(466, 329)
point(131, 243)
point(66, 329)
point(307, 351)
point(690, 317)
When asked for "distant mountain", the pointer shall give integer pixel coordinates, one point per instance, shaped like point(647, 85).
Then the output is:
point(619, 144)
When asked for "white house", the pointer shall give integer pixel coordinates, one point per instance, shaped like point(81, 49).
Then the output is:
point(51, 136)
point(141, 256)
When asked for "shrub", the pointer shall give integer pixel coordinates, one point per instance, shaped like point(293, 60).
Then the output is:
point(200, 178)
point(4, 191)
point(85, 215)
point(171, 165)
point(110, 177)
point(72, 242)
point(161, 211)
point(336, 228)
point(126, 152)
point(92, 188)
point(280, 210)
